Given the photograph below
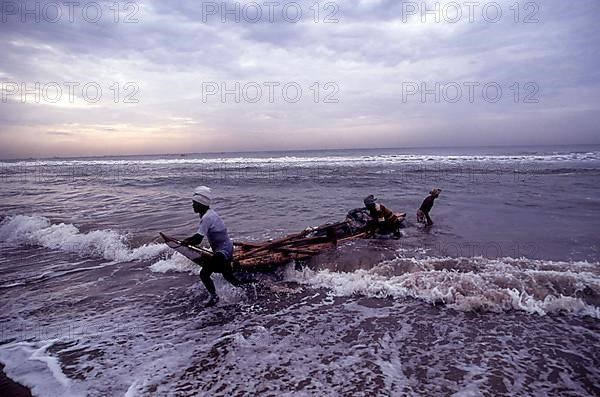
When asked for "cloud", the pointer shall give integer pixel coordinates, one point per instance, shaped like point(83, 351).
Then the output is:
point(369, 58)
point(60, 133)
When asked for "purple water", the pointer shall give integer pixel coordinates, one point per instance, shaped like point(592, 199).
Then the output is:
point(500, 297)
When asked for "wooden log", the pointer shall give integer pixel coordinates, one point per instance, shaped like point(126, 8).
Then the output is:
point(265, 259)
point(288, 238)
point(268, 259)
point(273, 244)
point(276, 248)
point(247, 245)
point(309, 240)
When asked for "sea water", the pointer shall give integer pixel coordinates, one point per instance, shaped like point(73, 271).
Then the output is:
point(500, 297)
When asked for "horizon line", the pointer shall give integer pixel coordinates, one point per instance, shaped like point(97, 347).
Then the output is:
point(99, 156)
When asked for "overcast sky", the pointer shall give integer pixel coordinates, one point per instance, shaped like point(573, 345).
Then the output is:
point(361, 66)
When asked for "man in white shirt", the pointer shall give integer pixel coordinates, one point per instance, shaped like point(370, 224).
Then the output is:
point(212, 227)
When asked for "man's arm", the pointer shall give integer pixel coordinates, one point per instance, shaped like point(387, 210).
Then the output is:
point(389, 216)
point(194, 240)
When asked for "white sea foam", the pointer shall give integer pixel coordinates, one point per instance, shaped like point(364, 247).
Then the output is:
point(47, 379)
point(308, 161)
point(176, 263)
point(38, 365)
point(469, 284)
point(108, 244)
point(465, 284)
point(132, 391)
point(51, 362)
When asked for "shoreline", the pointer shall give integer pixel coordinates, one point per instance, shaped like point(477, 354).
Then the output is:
point(9, 387)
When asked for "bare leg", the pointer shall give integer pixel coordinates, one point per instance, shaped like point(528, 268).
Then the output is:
point(223, 266)
point(397, 229)
point(228, 275)
point(429, 221)
point(207, 281)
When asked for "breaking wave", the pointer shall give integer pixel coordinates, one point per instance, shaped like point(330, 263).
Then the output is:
point(23, 230)
point(175, 263)
point(465, 284)
point(309, 161)
point(471, 284)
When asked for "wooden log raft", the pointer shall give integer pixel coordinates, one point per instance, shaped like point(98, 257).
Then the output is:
point(299, 246)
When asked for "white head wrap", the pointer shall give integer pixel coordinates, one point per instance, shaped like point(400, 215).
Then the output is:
point(202, 195)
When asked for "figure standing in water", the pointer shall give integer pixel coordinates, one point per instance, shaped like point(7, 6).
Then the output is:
point(212, 227)
point(423, 211)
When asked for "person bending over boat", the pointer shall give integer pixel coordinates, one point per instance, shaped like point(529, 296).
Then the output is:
point(383, 220)
point(212, 227)
point(423, 211)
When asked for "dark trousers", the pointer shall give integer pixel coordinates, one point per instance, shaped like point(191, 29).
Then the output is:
point(217, 264)
point(388, 227)
point(422, 215)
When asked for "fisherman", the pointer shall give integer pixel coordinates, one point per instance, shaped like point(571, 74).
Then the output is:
point(383, 220)
point(212, 227)
point(423, 211)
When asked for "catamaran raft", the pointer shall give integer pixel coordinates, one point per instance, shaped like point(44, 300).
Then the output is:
point(251, 256)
